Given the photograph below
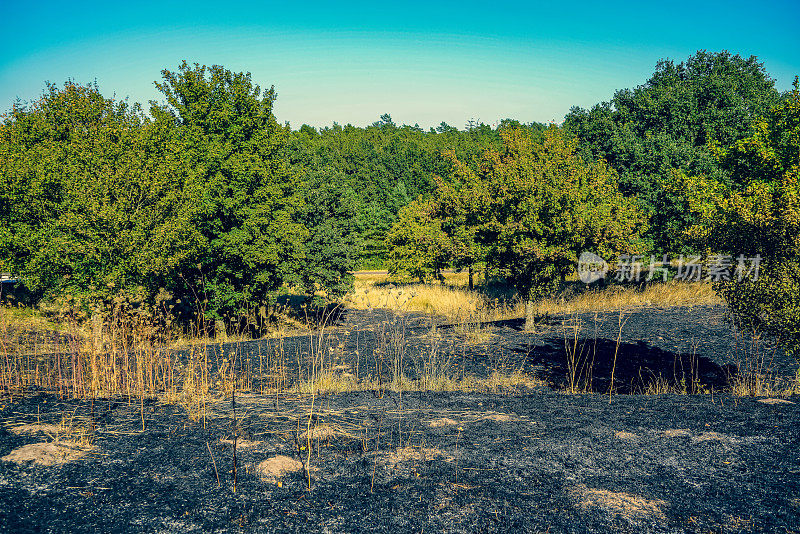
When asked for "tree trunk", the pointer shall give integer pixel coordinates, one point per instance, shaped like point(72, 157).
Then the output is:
point(529, 315)
point(471, 284)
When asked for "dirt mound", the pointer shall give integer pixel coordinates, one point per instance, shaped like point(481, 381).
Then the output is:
point(48, 454)
point(276, 467)
point(633, 508)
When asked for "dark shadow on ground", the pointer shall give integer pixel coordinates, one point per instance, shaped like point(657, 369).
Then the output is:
point(635, 366)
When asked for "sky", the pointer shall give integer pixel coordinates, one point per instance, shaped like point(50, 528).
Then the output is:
point(422, 62)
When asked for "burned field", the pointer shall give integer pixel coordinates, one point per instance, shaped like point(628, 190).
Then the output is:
point(502, 457)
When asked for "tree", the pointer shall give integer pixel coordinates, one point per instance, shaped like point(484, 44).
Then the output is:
point(331, 251)
point(235, 185)
point(456, 208)
point(755, 213)
point(386, 166)
point(418, 247)
point(81, 196)
point(538, 205)
point(669, 123)
point(97, 200)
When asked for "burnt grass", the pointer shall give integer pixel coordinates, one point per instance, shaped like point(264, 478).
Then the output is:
point(521, 459)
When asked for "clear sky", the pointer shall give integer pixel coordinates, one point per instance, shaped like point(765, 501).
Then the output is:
point(423, 62)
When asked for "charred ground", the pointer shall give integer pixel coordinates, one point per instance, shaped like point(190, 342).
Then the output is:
point(529, 459)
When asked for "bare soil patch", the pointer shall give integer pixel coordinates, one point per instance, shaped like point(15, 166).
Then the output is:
point(48, 454)
point(277, 467)
point(632, 508)
point(442, 421)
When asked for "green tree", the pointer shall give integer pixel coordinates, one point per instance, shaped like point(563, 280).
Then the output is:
point(755, 212)
point(387, 166)
point(418, 247)
point(235, 184)
point(81, 195)
point(537, 205)
point(96, 199)
point(332, 249)
point(669, 123)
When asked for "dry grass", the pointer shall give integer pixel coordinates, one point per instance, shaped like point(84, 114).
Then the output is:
point(500, 381)
point(772, 401)
point(414, 455)
point(67, 430)
point(327, 433)
point(615, 298)
point(500, 417)
point(497, 382)
point(755, 377)
point(442, 422)
point(131, 360)
point(20, 319)
point(31, 429)
point(70, 441)
point(453, 302)
point(676, 433)
point(461, 305)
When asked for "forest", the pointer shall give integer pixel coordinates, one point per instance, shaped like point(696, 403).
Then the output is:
point(206, 204)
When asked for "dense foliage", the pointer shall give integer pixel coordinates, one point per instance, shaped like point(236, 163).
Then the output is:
point(527, 212)
point(672, 121)
point(207, 206)
point(193, 207)
point(387, 166)
point(756, 213)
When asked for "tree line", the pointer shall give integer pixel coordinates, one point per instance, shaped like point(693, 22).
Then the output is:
point(208, 204)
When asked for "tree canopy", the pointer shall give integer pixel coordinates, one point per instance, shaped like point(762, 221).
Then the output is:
point(753, 216)
point(672, 121)
point(528, 211)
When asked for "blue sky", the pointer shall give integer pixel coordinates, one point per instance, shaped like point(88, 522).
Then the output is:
point(423, 62)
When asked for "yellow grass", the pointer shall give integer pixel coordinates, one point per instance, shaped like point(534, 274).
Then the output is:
point(19, 319)
point(462, 305)
point(451, 279)
point(622, 297)
point(328, 382)
point(435, 299)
